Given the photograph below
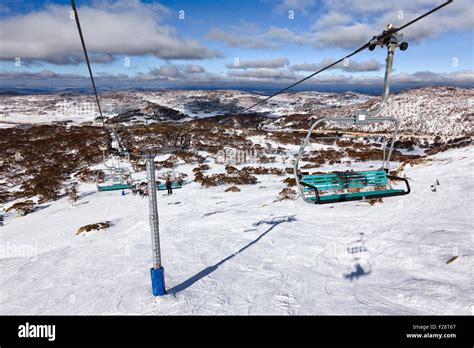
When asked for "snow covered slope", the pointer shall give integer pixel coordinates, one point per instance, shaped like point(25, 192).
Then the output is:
point(444, 111)
point(248, 253)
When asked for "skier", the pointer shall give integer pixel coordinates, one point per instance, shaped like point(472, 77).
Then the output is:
point(169, 185)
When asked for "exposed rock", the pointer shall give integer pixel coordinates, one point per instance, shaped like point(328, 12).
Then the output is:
point(287, 193)
point(290, 181)
point(94, 227)
point(451, 260)
point(22, 208)
point(233, 189)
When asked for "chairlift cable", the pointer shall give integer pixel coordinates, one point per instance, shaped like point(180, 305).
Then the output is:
point(76, 17)
point(113, 130)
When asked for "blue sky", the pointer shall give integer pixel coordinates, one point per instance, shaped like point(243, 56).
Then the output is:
point(275, 42)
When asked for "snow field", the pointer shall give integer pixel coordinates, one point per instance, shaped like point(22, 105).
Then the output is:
point(248, 253)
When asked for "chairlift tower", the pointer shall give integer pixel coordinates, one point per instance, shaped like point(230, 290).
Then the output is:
point(171, 144)
point(157, 272)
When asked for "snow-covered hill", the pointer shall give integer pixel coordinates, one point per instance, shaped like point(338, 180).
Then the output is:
point(248, 252)
point(439, 111)
point(444, 111)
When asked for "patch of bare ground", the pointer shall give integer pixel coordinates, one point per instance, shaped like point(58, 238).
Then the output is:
point(239, 178)
point(287, 194)
point(290, 182)
point(22, 208)
point(439, 146)
point(40, 158)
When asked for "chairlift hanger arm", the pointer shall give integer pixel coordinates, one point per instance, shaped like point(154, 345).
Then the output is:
point(379, 39)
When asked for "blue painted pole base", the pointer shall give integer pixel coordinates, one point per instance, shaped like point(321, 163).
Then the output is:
point(158, 281)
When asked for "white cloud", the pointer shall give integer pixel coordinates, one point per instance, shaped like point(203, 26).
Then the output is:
point(370, 6)
point(302, 6)
point(264, 73)
point(111, 28)
point(349, 66)
point(286, 35)
point(464, 77)
point(193, 69)
point(233, 39)
point(43, 75)
point(170, 74)
point(375, 15)
point(350, 36)
point(331, 19)
point(349, 24)
point(270, 39)
point(273, 63)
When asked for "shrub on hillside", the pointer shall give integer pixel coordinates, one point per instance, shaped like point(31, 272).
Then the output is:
point(221, 179)
point(94, 227)
point(22, 208)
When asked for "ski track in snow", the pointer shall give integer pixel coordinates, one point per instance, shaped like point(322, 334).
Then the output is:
point(244, 253)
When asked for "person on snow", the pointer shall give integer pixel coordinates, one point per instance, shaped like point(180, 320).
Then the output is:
point(169, 186)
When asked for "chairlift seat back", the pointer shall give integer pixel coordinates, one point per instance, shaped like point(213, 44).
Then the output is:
point(326, 188)
point(113, 187)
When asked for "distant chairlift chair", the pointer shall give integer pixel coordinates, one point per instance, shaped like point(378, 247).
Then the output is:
point(114, 179)
point(175, 182)
point(341, 186)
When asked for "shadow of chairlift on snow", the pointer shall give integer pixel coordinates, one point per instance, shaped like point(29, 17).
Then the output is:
point(358, 271)
point(86, 194)
point(208, 270)
point(40, 207)
point(360, 264)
